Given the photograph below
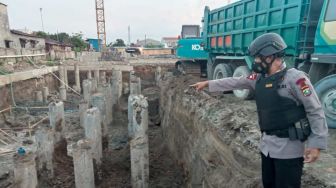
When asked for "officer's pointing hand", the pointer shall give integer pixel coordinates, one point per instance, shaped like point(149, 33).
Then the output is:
point(200, 85)
point(311, 155)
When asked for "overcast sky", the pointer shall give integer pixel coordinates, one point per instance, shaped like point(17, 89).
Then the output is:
point(154, 18)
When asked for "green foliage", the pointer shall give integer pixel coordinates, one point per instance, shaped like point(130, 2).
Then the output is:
point(118, 43)
point(76, 40)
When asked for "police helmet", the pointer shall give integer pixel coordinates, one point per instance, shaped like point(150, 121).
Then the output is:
point(266, 45)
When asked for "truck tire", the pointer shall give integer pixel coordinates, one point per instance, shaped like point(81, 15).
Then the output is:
point(326, 91)
point(318, 71)
point(244, 94)
point(222, 71)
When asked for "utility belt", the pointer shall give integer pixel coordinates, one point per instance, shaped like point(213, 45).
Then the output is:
point(298, 131)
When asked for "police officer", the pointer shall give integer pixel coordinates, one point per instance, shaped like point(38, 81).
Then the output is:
point(289, 112)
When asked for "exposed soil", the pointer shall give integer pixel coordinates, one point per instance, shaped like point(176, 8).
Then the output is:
point(163, 169)
point(115, 170)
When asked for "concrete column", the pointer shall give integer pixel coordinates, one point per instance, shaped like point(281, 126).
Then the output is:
point(93, 131)
point(83, 106)
point(96, 75)
point(135, 89)
point(126, 88)
point(106, 90)
point(45, 149)
point(62, 75)
point(63, 93)
point(139, 142)
point(94, 85)
point(158, 75)
point(38, 96)
point(87, 89)
point(89, 75)
point(56, 118)
point(66, 78)
point(77, 78)
point(98, 100)
point(83, 165)
point(103, 77)
point(45, 93)
point(139, 85)
point(116, 84)
point(25, 175)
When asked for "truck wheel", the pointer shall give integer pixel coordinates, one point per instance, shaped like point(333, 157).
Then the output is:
point(222, 71)
point(243, 93)
point(318, 71)
point(326, 91)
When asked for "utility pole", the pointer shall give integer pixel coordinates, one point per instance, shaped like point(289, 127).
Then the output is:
point(129, 35)
point(42, 19)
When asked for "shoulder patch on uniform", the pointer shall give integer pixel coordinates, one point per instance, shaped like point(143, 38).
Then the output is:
point(252, 76)
point(304, 87)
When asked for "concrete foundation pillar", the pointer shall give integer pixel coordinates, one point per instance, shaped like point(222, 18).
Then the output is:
point(83, 165)
point(106, 90)
point(96, 76)
point(103, 77)
point(87, 89)
point(56, 118)
point(93, 131)
point(98, 100)
point(63, 93)
point(126, 88)
point(158, 75)
point(94, 85)
point(139, 142)
point(135, 89)
point(66, 78)
point(89, 75)
point(38, 96)
point(62, 76)
point(116, 84)
point(77, 78)
point(45, 93)
point(45, 148)
point(83, 106)
point(25, 175)
point(139, 85)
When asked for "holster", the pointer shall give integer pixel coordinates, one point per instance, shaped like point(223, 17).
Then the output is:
point(300, 131)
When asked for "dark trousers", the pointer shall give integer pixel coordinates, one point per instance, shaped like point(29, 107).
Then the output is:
point(281, 173)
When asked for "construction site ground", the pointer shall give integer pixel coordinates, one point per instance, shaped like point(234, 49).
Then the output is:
point(182, 109)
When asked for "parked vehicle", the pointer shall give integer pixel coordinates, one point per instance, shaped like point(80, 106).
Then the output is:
point(192, 57)
point(307, 26)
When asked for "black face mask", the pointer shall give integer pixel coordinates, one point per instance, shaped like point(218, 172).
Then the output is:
point(262, 67)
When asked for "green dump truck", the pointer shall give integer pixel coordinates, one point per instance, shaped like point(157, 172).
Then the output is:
point(307, 26)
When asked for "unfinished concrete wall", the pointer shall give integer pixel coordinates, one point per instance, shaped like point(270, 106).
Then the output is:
point(210, 138)
point(29, 87)
point(88, 56)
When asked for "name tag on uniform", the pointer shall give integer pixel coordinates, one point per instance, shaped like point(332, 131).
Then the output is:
point(269, 85)
point(282, 86)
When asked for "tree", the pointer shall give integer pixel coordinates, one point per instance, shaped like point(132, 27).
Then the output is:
point(119, 43)
point(78, 42)
point(76, 39)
